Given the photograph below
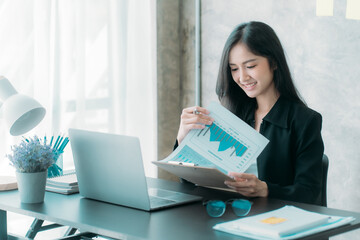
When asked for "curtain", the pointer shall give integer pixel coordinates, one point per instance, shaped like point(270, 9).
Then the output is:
point(90, 63)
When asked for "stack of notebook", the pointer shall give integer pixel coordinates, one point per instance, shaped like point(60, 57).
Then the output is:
point(65, 184)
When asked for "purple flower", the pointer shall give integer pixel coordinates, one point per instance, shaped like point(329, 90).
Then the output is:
point(31, 155)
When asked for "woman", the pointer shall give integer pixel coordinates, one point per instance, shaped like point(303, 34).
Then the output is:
point(254, 82)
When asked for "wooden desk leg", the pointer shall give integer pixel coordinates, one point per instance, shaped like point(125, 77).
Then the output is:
point(3, 225)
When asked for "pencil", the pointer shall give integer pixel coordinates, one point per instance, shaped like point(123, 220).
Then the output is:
point(52, 138)
point(58, 143)
point(63, 145)
point(57, 140)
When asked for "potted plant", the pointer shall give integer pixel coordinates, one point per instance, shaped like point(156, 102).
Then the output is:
point(31, 159)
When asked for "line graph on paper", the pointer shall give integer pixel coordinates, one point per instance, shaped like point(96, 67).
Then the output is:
point(224, 144)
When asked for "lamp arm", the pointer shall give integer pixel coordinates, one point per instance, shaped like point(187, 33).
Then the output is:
point(6, 89)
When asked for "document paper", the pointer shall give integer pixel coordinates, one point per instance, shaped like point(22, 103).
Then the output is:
point(297, 224)
point(229, 144)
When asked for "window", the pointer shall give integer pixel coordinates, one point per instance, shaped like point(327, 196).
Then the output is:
point(91, 63)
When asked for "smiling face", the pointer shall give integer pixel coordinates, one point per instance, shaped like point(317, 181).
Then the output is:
point(251, 72)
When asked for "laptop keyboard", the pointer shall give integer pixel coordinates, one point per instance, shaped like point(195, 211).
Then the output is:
point(156, 201)
point(162, 193)
point(162, 197)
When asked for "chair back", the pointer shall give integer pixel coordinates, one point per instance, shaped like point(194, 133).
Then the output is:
point(325, 167)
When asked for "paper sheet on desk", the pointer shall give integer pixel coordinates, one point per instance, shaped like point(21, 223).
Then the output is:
point(297, 224)
point(229, 144)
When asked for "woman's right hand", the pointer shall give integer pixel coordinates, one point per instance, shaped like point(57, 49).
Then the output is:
point(193, 118)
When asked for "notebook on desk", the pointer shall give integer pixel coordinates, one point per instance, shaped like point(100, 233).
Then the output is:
point(109, 168)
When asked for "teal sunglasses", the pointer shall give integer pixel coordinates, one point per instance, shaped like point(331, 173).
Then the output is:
point(216, 208)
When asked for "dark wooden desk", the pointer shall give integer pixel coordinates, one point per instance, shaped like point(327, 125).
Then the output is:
point(183, 222)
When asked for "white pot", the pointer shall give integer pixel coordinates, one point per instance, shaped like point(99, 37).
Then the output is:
point(31, 186)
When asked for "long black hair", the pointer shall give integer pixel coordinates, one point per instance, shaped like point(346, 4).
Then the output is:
point(261, 41)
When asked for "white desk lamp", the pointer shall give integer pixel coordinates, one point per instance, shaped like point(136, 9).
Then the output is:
point(21, 113)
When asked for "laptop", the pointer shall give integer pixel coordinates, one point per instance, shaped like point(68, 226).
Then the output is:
point(110, 168)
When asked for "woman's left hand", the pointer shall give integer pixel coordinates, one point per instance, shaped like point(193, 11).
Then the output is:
point(247, 185)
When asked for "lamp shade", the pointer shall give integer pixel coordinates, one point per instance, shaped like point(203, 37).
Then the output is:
point(21, 113)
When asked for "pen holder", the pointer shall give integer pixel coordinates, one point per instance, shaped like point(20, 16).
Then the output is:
point(57, 168)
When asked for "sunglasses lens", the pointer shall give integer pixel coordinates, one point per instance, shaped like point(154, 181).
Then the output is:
point(241, 207)
point(215, 208)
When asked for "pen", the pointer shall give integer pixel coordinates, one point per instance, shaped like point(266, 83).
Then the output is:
point(182, 163)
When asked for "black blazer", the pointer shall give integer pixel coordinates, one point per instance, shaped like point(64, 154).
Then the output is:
point(291, 162)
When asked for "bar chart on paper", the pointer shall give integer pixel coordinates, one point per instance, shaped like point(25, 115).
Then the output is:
point(188, 155)
point(229, 144)
point(226, 141)
point(229, 150)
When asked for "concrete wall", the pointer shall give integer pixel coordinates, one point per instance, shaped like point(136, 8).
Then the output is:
point(168, 77)
point(324, 56)
point(175, 70)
